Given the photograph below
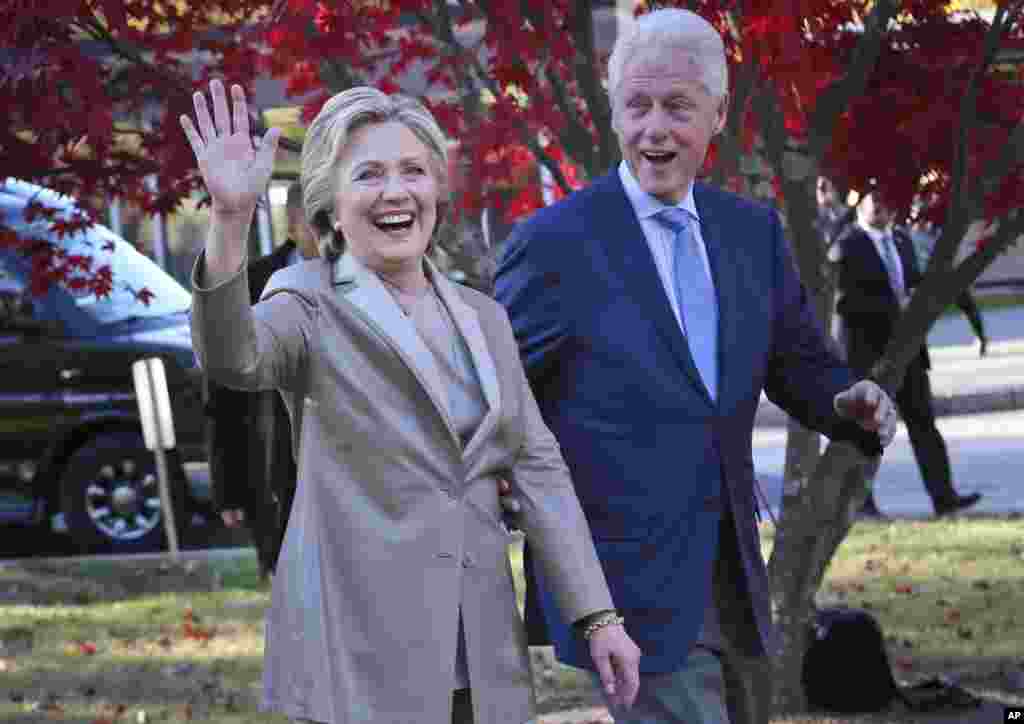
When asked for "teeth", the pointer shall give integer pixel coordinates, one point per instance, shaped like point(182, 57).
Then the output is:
point(395, 219)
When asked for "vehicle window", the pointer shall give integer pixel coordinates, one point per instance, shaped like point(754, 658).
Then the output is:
point(131, 272)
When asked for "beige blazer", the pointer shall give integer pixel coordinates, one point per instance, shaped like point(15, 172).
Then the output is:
point(396, 526)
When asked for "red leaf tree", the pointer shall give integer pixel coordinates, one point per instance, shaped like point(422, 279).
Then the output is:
point(925, 101)
point(90, 93)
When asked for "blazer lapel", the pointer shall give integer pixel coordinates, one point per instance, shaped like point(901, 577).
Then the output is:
point(375, 305)
point(616, 222)
point(724, 271)
point(468, 324)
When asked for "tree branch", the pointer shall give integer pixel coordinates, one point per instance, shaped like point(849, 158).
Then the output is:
point(963, 201)
point(99, 32)
point(836, 97)
point(585, 69)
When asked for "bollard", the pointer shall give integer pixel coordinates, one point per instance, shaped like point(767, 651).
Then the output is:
point(158, 433)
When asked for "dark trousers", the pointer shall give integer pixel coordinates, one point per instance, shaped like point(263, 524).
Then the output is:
point(914, 400)
point(462, 706)
point(262, 519)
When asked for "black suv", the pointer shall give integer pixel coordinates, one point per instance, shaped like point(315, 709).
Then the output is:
point(71, 449)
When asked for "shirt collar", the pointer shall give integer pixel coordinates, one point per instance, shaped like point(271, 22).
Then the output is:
point(876, 235)
point(647, 206)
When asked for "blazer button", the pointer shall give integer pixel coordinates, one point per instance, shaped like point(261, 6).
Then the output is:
point(467, 561)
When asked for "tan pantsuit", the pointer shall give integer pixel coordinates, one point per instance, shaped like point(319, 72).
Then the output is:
point(396, 524)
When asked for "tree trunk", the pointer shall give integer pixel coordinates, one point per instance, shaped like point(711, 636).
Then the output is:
point(819, 492)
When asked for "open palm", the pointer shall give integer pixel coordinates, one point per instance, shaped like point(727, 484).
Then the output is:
point(235, 171)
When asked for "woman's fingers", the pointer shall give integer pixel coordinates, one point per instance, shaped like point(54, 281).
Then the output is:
point(194, 139)
point(266, 150)
point(203, 117)
point(220, 108)
point(241, 110)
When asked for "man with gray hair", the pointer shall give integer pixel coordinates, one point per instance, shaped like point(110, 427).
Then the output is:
point(651, 311)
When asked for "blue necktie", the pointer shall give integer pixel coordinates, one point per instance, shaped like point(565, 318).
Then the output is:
point(696, 296)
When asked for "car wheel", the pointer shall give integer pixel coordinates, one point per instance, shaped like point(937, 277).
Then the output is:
point(110, 496)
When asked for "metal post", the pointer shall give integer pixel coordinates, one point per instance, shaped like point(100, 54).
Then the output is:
point(158, 434)
point(162, 476)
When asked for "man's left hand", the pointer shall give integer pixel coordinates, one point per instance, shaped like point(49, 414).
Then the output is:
point(869, 406)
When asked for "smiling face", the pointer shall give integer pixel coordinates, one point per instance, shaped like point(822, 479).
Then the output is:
point(665, 117)
point(874, 213)
point(386, 199)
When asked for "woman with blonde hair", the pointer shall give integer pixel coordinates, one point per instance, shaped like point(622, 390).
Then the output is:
point(393, 597)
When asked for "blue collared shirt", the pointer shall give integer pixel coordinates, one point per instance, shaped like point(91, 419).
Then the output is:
point(659, 237)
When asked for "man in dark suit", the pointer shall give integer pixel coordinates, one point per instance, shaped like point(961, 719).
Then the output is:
point(651, 311)
point(877, 270)
point(251, 461)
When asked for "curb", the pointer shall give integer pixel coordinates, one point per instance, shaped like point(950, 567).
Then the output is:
point(999, 399)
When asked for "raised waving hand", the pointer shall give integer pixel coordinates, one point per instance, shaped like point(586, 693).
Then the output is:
point(235, 170)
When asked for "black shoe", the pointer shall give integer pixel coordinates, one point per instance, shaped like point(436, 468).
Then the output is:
point(956, 504)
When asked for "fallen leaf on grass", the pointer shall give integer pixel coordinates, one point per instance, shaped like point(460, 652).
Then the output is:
point(953, 615)
point(185, 711)
point(196, 633)
point(79, 648)
point(191, 631)
point(904, 588)
point(904, 664)
point(111, 712)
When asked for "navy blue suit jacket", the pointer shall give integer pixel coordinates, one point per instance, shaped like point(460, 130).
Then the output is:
point(654, 460)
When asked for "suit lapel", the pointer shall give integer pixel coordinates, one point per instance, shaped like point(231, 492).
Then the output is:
point(468, 324)
point(617, 224)
point(375, 305)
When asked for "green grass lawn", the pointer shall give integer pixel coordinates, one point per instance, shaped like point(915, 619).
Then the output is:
point(101, 642)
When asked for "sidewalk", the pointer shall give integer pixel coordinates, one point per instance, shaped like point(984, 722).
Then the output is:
point(962, 382)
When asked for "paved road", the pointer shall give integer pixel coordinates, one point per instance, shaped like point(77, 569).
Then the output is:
point(961, 381)
point(1003, 324)
point(986, 452)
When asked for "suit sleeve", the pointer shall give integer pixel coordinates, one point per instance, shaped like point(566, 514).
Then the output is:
point(249, 347)
point(556, 529)
point(529, 288)
point(231, 415)
point(803, 374)
point(227, 412)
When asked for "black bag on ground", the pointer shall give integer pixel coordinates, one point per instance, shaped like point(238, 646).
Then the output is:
point(846, 667)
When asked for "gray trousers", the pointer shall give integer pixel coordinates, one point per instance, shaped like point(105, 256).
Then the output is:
point(721, 682)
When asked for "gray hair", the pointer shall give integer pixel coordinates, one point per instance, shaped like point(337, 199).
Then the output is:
point(329, 134)
point(677, 28)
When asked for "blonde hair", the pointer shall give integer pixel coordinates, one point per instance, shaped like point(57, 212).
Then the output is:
point(329, 134)
point(673, 28)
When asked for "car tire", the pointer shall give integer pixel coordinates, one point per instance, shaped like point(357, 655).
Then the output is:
point(110, 496)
